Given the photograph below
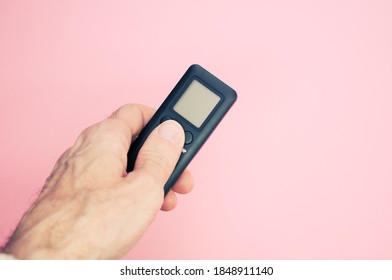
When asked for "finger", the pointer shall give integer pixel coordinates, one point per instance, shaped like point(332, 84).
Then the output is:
point(160, 152)
point(112, 136)
point(185, 183)
point(123, 125)
point(135, 117)
point(170, 201)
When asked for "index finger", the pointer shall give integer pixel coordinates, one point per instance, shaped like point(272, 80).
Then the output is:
point(134, 117)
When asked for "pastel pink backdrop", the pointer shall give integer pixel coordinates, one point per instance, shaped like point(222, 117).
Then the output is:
point(301, 168)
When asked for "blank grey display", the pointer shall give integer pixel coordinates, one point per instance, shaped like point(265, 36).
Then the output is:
point(196, 103)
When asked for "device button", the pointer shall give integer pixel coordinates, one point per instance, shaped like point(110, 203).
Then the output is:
point(165, 118)
point(188, 137)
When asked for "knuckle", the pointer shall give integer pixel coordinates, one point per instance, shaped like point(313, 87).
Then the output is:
point(124, 109)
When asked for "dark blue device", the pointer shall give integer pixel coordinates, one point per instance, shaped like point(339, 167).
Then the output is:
point(198, 102)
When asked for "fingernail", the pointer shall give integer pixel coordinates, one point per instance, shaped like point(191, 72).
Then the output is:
point(172, 131)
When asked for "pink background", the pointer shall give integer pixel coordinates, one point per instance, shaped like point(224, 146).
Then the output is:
point(301, 167)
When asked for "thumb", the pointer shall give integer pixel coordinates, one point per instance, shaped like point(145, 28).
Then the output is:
point(160, 152)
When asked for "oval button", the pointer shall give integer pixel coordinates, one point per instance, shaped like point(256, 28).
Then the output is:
point(188, 137)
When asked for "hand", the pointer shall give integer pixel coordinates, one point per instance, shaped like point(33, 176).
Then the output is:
point(90, 208)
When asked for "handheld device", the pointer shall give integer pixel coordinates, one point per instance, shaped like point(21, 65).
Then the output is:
point(198, 103)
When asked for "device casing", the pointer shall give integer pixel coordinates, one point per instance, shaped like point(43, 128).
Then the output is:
point(200, 135)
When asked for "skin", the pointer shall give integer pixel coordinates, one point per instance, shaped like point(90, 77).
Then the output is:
point(89, 207)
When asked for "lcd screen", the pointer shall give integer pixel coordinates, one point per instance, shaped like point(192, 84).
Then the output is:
point(196, 103)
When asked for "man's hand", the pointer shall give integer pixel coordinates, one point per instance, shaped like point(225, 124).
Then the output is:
point(90, 208)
